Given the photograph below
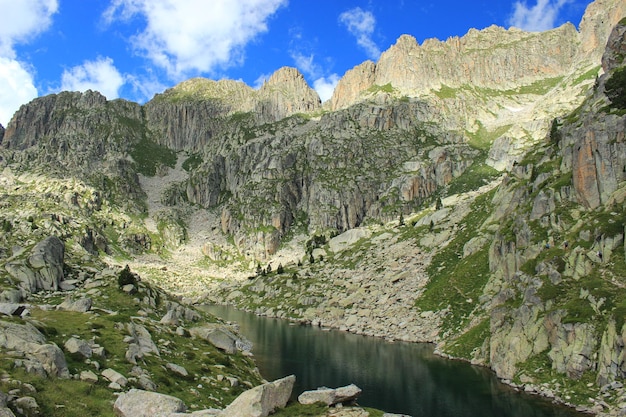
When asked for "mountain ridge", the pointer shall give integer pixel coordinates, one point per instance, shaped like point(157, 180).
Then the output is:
point(486, 219)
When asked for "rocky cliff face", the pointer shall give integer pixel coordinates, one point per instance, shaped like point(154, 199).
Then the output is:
point(492, 58)
point(476, 184)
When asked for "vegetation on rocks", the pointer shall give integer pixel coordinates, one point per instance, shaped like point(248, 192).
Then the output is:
point(394, 211)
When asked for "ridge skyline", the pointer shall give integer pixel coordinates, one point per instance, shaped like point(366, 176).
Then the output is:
point(45, 56)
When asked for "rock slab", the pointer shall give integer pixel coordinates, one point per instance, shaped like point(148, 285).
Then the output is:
point(139, 403)
point(330, 396)
point(262, 400)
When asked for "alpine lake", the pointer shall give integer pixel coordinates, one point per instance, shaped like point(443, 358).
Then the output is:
point(397, 377)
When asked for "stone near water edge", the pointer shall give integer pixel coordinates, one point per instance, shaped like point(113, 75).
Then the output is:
point(330, 396)
point(262, 400)
point(218, 336)
point(139, 403)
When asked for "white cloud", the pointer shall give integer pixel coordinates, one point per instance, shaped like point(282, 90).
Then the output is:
point(21, 21)
point(99, 75)
point(361, 24)
point(325, 86)
point(16, 88)
point(144, 87)
point(542, 16)
point(306, 64)
point(195, 35)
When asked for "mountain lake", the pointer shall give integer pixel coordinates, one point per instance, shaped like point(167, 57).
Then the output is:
point(396, 377)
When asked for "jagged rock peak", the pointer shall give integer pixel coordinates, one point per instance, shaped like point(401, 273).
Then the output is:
point(494, 58)
point(234, 94)
point(35, 119)
point(599, 19)
point(351, 85)
point(287, 75)
point(286, 93)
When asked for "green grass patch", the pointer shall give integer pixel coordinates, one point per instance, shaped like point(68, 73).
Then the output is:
point(464, 345)
point(65, 397)
point(192, 162)
point(474, 177)
point(387, 88)
point(295, 409)
point(589, 75)
point(539, 87)
point(483, 139)
point(455, 281)
point(148, 155)
point(446, 92)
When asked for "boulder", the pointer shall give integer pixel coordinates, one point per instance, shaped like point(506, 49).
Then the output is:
point(139, 403)
point(115, 377)
point(177, 369)
point(27, 406)
point(26, 338)
point(347, 239)
point(82, 305)
point(12, 309)
point(74, 345)
point(140, 343)
point(52, 359)
point(219, 336)
point(6, 412)
point(171, 318)
point(330, 396)
point(43, 269)
point(262, 400)
point(88, 376)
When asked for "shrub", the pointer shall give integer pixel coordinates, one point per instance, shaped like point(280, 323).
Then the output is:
point(615, 88)
point(126, 277)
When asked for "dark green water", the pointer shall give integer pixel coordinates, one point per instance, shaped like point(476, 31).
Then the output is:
point(396, 377)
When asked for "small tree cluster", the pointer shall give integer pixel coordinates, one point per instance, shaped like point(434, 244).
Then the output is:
point(615, 88)
point(126, 277)
point(315, 242)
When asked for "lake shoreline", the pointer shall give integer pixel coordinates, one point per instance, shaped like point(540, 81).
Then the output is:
point(534, 390)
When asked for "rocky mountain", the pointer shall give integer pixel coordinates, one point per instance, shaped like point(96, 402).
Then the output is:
point(467, 192)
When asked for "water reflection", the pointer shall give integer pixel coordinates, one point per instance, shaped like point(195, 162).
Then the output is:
point(395, 377)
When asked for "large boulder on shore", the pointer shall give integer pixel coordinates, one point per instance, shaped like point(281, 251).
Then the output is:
point(139, 403)
point(219, 336)
point(262, 400)
point(42, 269)
point(330, 396)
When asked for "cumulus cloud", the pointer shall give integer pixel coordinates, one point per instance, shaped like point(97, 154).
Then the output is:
point(194, 35)
point(325, 86)
point(21, 22)
point(361, 25)
point(306, 64)
point(542, 16)
point(16, 88)
point(99, 75)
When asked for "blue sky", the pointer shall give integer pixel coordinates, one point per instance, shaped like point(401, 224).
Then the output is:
point(135, 48)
